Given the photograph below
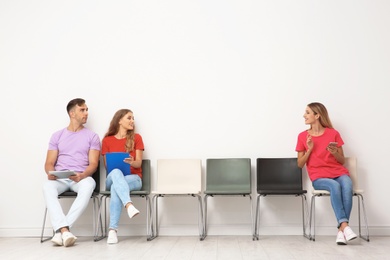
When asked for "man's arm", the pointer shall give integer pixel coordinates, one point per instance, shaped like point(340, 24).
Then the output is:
point(51, 158)
point(93, 157)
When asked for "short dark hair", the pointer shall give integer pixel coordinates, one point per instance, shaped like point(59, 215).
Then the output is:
point(74, 102)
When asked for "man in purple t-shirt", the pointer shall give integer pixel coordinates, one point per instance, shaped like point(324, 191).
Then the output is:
point(73, 148)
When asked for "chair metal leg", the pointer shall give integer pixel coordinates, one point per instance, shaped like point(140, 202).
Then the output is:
point(149, 219)
point(312, 217)
point(361, 202)
point(104, 231)
point(304, 215)
point(200, 218)
point(97, 217)
point(155, 221)
point(257, 219)
point(154, 224)
point(205, 218)
point(204, 235)
point(100, 221)
point(361, 206)
point(43, 228)
point(252, 220)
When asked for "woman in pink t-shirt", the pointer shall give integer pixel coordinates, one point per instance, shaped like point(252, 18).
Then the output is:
point(320, 148)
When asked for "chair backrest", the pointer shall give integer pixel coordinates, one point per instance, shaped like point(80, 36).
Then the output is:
point(178, 176)
point(228, 176)
point(96, 177)
point(278, 176)
point(351, 165)
point(146, 178)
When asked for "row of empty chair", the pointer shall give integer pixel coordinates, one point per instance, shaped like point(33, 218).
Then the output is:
point(224, 177)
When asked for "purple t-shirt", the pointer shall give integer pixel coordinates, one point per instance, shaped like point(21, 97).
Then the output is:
point(73, 148)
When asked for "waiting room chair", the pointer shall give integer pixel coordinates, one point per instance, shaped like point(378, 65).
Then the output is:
point(178, 177)
point(351, 165)
point(143, 193)
point(73, 195)
point(227, 177)
point(281, 177)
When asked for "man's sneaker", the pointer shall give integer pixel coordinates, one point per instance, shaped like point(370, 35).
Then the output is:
point(68, 239)
point(57, 239)
point(349, 234)
point(132, 211)
point(112, 237)
point(340, 239)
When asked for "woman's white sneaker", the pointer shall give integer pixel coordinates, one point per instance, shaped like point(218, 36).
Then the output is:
point(132, 211)
point(112, 237)
point(349, 234)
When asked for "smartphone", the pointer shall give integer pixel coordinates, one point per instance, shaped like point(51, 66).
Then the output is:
point(332, 143)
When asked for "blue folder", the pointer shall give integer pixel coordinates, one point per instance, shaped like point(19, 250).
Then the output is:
point(115, 161)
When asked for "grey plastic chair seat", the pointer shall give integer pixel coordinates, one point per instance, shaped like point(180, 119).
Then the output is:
point(227, 177)
point(227, 192)
point(143, 193)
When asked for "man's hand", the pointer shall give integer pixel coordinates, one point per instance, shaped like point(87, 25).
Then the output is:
point(76, 178)
point(51, 177)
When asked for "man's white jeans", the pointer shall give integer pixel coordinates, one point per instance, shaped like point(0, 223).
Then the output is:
point(51, 190)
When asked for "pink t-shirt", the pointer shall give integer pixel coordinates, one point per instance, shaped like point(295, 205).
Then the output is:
point(321, 163)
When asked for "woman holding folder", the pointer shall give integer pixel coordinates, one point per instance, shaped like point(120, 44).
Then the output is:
point(121, 138)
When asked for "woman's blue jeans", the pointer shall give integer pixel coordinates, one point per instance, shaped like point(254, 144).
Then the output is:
point(341, 192)
point(120, 187)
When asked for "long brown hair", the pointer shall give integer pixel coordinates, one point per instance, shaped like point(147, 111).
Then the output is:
point(321, 110)
point(114, 128)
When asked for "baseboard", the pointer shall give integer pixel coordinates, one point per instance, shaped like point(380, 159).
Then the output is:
point(191, 230)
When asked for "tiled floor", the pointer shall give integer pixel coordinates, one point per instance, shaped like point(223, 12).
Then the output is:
point(213, 247)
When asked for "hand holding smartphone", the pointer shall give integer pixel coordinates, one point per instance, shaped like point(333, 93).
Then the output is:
point(128, 160)
point(332, 147)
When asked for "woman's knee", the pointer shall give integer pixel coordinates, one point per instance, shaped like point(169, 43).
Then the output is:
point(114, 174)
point(346, 180)
point(327, 184)
point(345, 183)
point(134, 182)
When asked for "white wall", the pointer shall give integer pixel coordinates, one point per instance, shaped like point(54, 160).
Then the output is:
point(204, 79)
